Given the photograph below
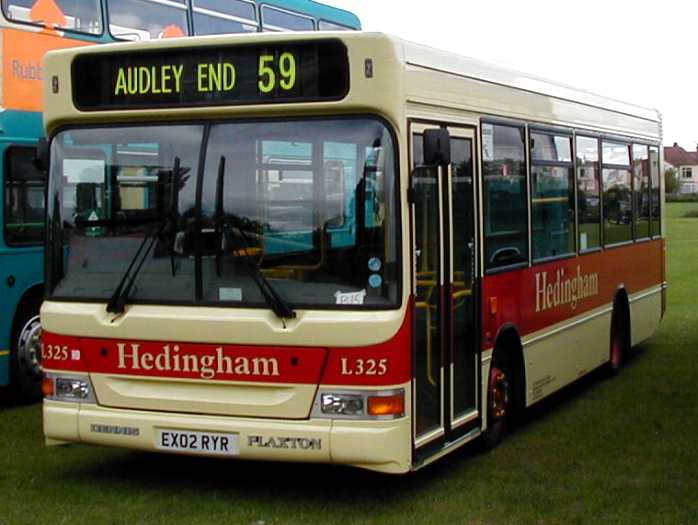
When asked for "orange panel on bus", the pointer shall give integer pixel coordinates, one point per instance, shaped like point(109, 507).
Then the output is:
point(23, 54)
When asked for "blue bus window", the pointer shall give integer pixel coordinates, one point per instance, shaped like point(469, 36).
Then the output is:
point(234, 16)
point(278, 20)
point(146, 20)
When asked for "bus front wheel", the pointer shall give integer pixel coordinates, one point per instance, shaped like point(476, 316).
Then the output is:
point(499, 402)
point(25, 357)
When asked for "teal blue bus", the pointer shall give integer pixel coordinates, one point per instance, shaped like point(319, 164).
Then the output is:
point(30, 28)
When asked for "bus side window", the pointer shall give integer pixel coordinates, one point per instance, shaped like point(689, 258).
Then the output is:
point(617, 193)
point(588, 193)
point(552, 195)
point(655, 197)
point(504, 195)
point(641, 192)
point(25, 195)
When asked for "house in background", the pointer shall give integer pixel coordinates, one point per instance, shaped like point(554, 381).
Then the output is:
point(686, 165)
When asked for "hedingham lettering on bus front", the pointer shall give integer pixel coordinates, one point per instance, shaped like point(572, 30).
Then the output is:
point(563, 290)
point(208, 366)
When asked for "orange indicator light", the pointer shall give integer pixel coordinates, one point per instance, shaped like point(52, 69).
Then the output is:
point(386, 405)
point(47, 387)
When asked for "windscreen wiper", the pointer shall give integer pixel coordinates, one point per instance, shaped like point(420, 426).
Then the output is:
point(117, 302)
point(276, 303)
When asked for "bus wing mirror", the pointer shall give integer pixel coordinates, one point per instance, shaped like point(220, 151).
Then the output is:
point(41, 158)
point(437, 147)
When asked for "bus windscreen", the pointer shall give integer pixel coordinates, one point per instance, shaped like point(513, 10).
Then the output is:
point(225, 75)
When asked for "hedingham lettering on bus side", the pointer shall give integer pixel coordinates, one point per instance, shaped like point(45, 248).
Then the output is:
point(563, 289)
point(208, 366)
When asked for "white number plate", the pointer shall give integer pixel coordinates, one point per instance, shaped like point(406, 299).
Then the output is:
point(207, 443)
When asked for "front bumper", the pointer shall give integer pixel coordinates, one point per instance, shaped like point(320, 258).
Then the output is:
point(383, 446)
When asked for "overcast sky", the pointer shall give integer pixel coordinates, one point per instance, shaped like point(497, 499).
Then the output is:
point(617, 48)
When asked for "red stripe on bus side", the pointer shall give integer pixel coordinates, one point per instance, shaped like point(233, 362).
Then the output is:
point(388, 363)
point(547, 294)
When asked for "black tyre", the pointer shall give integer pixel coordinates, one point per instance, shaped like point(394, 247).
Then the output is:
point(25, 354)
point(500, 402)
point(620, 341)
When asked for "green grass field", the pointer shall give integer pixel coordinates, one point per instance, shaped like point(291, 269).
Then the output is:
point(621, 450)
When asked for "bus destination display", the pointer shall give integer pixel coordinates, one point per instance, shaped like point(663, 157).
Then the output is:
point(230, 75)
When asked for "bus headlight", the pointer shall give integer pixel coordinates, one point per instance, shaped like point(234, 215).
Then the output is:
point(68, 388)
point(353, 404)
point(342, 404)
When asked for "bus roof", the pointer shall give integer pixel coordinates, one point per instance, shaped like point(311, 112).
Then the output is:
point(433, 59)
point(409, 73)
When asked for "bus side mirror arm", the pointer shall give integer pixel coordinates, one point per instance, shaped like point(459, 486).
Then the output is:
point(437, 147)
point(41, 158)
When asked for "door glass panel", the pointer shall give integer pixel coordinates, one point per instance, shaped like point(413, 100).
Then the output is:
point(464, 372)
point(427, 319)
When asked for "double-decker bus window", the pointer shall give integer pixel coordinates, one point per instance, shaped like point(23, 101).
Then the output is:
point(655, 196)
point(83, 16)
point(147, 19)
point(641, 192)
point(310, 204)
point(233, 16)
point(552, 195)
point(114, 190)
point(25, 196)
point(617, 193)
point(278, 20)
point(588, 193)
point(324, 25)
point(504, 195)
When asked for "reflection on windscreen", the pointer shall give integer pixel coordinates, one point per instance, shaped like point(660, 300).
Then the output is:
point(309, 204)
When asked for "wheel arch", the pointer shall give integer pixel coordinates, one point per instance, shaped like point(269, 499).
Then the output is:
point(34, 293)
point(508, 342)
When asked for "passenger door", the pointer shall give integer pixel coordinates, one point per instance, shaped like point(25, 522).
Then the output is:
point(446, 349)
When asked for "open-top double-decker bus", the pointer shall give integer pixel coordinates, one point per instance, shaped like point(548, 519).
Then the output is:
point(340, 248)
point(30, 28)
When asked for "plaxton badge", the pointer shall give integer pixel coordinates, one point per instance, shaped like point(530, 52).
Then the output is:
point(115, 429)
point(285, 442)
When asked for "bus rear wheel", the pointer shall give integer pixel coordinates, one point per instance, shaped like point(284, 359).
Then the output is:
point(499, 403)
point(620, 345)
point(25, 356)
